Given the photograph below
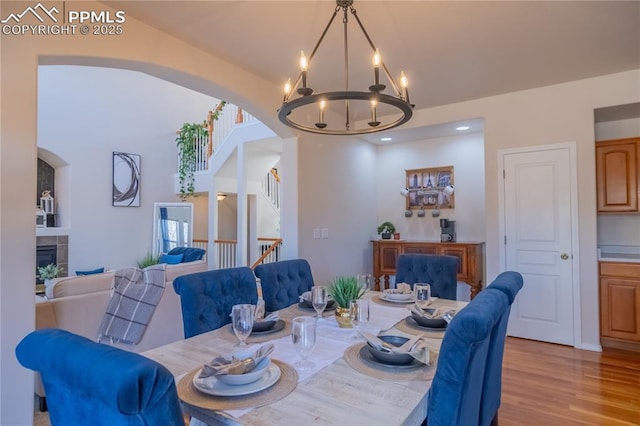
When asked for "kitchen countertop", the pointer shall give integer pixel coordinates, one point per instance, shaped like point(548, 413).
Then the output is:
point(619, 257)
point(619, 253)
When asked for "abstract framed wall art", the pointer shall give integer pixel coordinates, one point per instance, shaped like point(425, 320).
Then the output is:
point(126, 180)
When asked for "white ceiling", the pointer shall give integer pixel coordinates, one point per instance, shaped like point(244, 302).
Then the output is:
point(451, 51)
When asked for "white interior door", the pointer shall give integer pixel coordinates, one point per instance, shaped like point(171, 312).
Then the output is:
point(538, 241)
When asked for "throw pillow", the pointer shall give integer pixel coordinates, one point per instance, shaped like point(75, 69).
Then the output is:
point(91, 272)
point(190, 253)
point(171, 259)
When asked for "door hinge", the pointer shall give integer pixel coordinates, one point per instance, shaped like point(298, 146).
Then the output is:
point(503, 174)
point(505, 240)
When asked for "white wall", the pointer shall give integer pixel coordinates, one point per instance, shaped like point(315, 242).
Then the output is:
point(86, 113)
point(337, 190)
point(618, 229)
point(465, 154)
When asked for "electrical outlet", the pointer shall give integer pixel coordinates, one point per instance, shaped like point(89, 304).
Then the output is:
point(316, 234)
point(325, 233)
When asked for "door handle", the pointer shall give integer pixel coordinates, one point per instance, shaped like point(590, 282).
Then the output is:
point(564, 256)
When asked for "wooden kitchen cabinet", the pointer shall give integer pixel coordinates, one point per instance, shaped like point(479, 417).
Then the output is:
point(620, 305)
point(618, 175)
point(470, 266)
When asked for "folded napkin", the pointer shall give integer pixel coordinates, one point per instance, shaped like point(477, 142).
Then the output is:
point(222, 365)
point(260, 310)
point(430, 313)
point(271, 317)
point(402, 288)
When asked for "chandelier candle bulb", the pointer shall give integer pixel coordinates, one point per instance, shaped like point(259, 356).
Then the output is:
point(287, 90)
point(404, 82)
point(374, 118)
point(303, 67)
point(376, 67)
point(321, 124)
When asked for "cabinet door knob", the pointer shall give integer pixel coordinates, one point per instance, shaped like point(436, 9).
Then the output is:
point(564, 256)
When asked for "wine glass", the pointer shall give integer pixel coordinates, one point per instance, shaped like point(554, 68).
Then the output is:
point(364, 281)
point(422, 294)
point(242, 320)
point(319, 298)
point(303, 335)
point(359, 310)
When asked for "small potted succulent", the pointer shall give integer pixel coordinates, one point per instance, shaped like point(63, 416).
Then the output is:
point(343, 290)
point(49, 272)
point(386, 229)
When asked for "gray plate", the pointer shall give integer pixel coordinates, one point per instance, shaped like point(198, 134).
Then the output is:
point(429, 322)
point(309, 306)
point(279, 325)
point(261, 326)
point(411, 321)
point(367, 358)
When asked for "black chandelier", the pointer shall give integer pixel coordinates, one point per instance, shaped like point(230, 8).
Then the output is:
point(401, 108)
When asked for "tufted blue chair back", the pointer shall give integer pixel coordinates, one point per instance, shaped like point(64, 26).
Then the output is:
point(439, 271)
point(283, 282)
point(89, 383)
point(207, 297)
point(509, 283)
point(455, 395)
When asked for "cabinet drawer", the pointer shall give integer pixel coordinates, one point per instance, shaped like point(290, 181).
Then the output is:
point(620, 269)
point(420, 249)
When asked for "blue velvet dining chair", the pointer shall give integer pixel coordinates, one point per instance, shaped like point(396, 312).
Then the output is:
point(206, 298)
point(509, 283)
point(455, 395)
point(283, 282)
point(90, 383)
point(440, 271)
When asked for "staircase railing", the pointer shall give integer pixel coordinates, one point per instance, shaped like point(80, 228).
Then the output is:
point(230, 115)
point(271, 188)
point(226, 253)
point(270, 252)
point(269, 249)
point(202, 244)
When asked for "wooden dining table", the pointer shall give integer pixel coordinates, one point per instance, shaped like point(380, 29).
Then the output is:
point(336, 394)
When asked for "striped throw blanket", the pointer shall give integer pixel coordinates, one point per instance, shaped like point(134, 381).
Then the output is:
point(136, 293)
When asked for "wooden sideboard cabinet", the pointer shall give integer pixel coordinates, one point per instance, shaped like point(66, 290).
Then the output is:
point(618, 175)
point(470, 267)
point(620, 305)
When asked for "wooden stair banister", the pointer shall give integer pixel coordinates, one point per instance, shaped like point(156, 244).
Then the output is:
point(272, 247)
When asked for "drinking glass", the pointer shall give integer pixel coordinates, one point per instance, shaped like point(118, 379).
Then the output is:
point(359, 310)
point(364, 281)
point(242, 321)
point(303, 335)
point(319, 298)
point(422, 293)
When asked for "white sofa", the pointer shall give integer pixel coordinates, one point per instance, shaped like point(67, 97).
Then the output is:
point(77, 304)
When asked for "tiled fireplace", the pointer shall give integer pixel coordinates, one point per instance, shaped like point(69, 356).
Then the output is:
point(53, 247)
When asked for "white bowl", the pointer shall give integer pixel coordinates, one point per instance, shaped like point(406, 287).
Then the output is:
point(245, 379)
point(394, 295)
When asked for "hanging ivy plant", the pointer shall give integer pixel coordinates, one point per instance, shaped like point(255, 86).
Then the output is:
point(187, 139)
point(189, 134)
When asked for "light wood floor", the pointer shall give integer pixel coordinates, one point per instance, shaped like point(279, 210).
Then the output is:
point(552, 385)
point(547, 384)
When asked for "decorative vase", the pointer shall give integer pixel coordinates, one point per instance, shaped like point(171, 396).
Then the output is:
point(386, 235)
point(343, 317)
point(47, 282)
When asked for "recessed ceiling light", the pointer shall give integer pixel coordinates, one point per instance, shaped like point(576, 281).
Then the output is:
point(461, 128)
point(387, 139)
